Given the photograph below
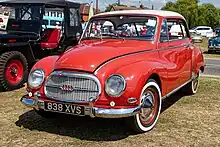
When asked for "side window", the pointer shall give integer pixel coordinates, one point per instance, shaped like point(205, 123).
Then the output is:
point(177, 29)
point(164, 32)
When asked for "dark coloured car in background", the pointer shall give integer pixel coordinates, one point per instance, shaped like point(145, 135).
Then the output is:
point(214, 43)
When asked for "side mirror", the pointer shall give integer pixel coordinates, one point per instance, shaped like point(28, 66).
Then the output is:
point(78, 35)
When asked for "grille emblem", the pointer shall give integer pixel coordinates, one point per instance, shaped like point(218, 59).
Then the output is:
point(67, 88)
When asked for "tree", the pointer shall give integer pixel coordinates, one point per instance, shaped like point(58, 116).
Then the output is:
point(188, 8)
point(208, 15)
point(142, 6)
point(108, 8)
point(205, 14)
point(169, 6)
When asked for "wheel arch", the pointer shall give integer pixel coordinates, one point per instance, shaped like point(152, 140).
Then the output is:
point(156, 77)
point(202, 69)
point(25, 50)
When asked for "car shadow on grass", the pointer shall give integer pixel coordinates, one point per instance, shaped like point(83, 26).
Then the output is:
point(84, 128)
point(168, 102)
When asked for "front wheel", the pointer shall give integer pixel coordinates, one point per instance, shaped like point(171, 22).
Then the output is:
point(13, 70)
point(150, 101)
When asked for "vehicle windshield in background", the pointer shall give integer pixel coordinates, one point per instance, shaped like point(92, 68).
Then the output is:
point(20, 18)
point(128, 27)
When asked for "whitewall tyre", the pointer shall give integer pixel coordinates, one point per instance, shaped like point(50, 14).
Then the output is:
point(150, 100)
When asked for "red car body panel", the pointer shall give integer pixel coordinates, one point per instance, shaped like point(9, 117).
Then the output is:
point(91, 54)
point(173, 62)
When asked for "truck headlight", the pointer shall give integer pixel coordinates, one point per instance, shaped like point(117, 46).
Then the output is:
point(36, 78)
point(115, 85)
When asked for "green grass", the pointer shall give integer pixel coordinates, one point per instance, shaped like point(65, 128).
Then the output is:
point(185, 121)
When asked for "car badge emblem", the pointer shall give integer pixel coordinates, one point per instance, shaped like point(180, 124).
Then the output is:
point(67, 88)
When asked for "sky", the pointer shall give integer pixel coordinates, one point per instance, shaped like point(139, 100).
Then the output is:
point(147, 3)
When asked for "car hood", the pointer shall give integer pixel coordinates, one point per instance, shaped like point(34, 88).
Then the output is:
point(91, 54)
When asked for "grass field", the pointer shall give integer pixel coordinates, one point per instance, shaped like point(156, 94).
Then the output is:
point(185, 121)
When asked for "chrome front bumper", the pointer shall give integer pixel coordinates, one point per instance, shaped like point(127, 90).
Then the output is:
point(89, 110)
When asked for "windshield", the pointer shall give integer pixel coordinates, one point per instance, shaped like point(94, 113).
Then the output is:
point(23, 18)
point(127, 27)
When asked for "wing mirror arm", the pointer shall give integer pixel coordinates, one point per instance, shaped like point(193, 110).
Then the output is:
point(78, 35)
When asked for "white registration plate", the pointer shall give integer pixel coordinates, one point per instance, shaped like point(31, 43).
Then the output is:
point(64, 108)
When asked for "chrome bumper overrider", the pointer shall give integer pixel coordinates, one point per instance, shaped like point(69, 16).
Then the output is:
point(89, 110)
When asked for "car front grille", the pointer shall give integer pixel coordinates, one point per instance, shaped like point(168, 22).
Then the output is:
point(72, 87)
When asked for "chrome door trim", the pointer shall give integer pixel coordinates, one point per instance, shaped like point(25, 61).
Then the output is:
point(176, 89)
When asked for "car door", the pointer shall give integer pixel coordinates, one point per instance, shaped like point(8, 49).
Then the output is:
point(182, 46)
point(176, 57)
point(169, 58)
point(186, 52)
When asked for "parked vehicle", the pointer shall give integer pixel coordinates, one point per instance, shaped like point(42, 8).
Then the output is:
point(112, 74)
point(176, 30)
point(196, 37)
point(52, 22)
point(214, 44)
point(24, 41)
point(217, 31)
point(205, 31)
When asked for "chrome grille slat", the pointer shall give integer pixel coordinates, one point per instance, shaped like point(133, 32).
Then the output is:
point(80, 87)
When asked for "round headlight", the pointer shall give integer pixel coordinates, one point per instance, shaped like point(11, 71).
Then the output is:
point(115, 85)
point(36, 78)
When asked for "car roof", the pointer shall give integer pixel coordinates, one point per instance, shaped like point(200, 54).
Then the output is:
point(161, 13)
point(61, 3)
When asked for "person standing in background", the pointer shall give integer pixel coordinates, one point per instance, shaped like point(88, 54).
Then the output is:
point(83, 23)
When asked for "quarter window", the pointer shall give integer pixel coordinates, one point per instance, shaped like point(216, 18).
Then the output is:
point(177, 29)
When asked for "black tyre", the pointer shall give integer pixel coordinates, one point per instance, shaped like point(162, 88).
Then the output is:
point(13, 70)
point(192, 87)
point(150, 100)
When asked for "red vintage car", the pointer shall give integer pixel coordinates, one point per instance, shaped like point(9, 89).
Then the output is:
point(116, 71)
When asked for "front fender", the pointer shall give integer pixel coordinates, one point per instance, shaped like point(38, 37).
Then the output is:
point(136, 74)
point(47, 64)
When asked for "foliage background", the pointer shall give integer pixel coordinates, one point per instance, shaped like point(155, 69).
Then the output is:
point(195, 14)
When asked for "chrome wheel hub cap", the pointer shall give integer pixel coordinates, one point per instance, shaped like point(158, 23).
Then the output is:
point(147, 105)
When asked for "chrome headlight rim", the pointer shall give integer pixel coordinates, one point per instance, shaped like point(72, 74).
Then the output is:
point(123, 89)
point(43, 75)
